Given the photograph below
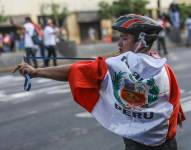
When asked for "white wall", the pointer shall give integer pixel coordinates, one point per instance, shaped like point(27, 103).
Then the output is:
point(84, 5)
point(164, 4)
point(32, 7)
point(18, 7)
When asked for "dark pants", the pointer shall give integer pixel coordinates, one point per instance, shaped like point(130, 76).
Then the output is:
point(51, 52)
point(188, 38)
point(41, 46)
point(30, 52)
point(132, 145)
point(161, 42)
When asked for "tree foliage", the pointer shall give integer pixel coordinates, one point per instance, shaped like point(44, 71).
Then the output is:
point(121, 7)
point(185, 11)
point(139, 6)
point(105, 11)
point(3, 18)
point(56, 11)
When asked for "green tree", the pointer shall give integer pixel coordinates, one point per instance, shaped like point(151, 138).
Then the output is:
point(185, 11)
point(56, 11)
point(105, 11)
point(121, 7)
point(3, 18)
point(139, 6)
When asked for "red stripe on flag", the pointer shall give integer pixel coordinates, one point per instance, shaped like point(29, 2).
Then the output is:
point(130, 22)
point(174, 99)
point(85, 80)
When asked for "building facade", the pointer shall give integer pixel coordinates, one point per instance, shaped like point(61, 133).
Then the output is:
point(82, 15)
point(82, 18)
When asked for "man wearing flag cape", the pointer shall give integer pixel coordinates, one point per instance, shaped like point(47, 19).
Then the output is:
point(134, 94)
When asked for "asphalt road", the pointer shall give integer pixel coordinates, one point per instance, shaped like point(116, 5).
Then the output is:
point(46, 118)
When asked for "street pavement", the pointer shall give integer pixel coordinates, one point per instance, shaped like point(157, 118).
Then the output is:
point(47, 118)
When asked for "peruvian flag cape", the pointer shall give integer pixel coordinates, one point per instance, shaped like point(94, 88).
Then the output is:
point(133, 95)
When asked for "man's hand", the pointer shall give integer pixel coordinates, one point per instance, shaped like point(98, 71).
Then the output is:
point(59, 73)
point(25, 68)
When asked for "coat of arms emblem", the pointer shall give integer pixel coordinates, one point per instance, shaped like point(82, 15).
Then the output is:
point(130, 92)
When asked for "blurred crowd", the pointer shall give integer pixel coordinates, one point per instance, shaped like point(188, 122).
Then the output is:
point(12, 41)
point(32, 36)
point(173, 25)
point(36, 38)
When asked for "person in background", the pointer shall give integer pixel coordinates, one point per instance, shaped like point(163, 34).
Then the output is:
point(6, 42)
point(40, 43)
point(30, 49)
point(12, 44)
point(17, 40)
point(50, 42)
point(1, 43)
point(174, 12)
point(134, 94)
point(161, 41)
point(188, 26)
point(92, 34)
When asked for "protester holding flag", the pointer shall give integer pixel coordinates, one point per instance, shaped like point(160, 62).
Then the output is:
point(134, 94)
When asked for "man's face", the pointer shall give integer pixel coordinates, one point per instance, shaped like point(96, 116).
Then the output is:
point(126, 42)
point(50, 23)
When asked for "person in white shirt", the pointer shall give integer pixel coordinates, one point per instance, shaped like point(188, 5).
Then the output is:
point(50, 41)
point(29, 30)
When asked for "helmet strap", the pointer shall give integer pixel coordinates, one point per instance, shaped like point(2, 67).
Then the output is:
point(141, 42)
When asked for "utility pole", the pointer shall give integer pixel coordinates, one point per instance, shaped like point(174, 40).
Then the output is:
point(158, 7)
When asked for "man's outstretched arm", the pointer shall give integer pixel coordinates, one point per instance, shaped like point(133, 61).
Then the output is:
point(59, 73)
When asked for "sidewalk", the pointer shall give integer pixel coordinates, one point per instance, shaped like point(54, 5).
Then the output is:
point(9, 60)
